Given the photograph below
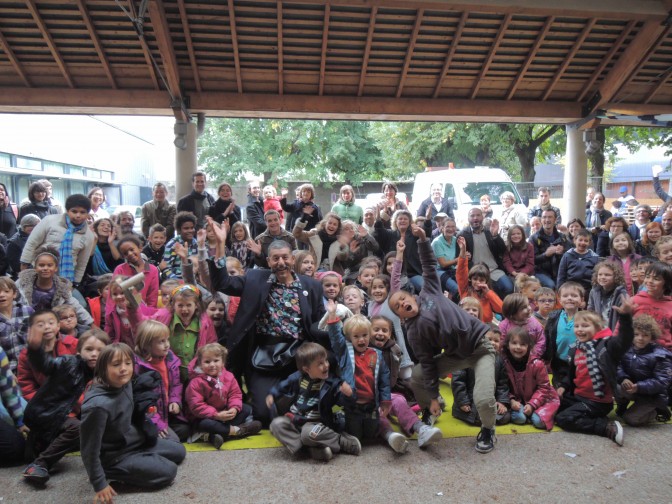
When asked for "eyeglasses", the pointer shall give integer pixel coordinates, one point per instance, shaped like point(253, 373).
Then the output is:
point(546, 301)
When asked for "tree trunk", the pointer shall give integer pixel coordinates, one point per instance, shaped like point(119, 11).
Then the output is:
point(597, 161)
point(526, 154)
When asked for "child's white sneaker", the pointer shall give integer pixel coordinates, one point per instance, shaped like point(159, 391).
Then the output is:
point(615, 432)
point(398, 442)
point(428, 436)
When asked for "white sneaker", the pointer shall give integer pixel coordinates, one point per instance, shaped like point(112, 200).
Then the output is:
point(428, 436)
point(398, 442)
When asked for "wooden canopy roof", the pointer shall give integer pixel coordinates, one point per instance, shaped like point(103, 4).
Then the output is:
point(494, 60)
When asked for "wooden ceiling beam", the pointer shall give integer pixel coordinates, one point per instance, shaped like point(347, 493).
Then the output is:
point(234, 42)
point(215, 104)
point(493, 50)
point(409, 51)
point(190, 45)
point(451, 53)
point(96, 42)
point(605, 61)
point(145, 48)
point(50, 42)
point(661, 82)
point(530, 57)
point(281, 69)
point(649, 37)
point(4, 45)
point(568, 59)
point(325, 40)
point(367, 50)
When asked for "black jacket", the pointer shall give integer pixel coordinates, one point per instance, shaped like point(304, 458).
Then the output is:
point(294, 212)
point(39, 209)
point(254, 212)
point(446, 207)
point(495, 244)
point(216, 211)
point(541, 241)
point(14, 248)
point(7, 221)
point(463, 382)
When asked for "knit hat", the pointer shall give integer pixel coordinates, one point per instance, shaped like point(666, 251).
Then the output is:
point(28, 221)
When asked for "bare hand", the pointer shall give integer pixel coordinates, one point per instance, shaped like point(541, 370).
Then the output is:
point(385, 410)
point(515, 405)
point(180, 250)
point(201, 236)
point(561, 391)
point(462, 244)
point(106, 495)
point(331, 308)
point(220, 232)
point(24, 430)
point(401, 246)
point(346, 389)
point(494, 227)
point(627, 307)
point(254, 246)
point(418, 232)
point(435, 408)
point(362, 230)
point(627, 385)
point(34, 339)
point(527, 410)
point(269, 398)
point(657, 170)
point(284, 192)
point(501, 408)
point(174, 408)
point(112, 236)
point(466, 408)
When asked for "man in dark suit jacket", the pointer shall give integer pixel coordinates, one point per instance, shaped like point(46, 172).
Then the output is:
point(436, 199)
point(197, 201)
point(492, 255)
point(254, 211)
point(596, 217)
point(277, 309)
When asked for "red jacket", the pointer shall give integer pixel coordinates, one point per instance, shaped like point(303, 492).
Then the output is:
point(518, 260)
point(30, 379)
point(532, 386)
point(206, 396)
point(659, 309)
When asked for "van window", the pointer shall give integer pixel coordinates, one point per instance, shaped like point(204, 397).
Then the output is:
point(448, 191)
point(474, 191)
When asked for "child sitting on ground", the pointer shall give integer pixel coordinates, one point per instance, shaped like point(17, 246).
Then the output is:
point(364, 369)
point(528, 287)
point(54, 344)
point(577, 263)
point(156, 246)
point(215, 400)
point(656, 300)
point(475, 282)
point(545, 300)
point(516, 311)
point(12, 429)
point(462, 384)
point(587, 392)
point(644, 375)
point(533, 399)
point(608, 291)
point(472, 306)
point(304, 405)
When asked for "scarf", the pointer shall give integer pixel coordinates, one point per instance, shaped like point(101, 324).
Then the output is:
point(198, 196)
point(66, 268)
point(327, 240)
point(99, 264)
point(594, 370)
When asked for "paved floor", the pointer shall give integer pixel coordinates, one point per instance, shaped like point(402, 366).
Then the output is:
point(532, 468)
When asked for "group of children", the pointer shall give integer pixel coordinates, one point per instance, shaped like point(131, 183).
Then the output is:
point(151, 372)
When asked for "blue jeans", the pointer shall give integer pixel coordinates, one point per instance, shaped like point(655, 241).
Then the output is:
point(448, 283)
point(545, 280)
point(519, 418)
point(417, 282)
point(503, 286)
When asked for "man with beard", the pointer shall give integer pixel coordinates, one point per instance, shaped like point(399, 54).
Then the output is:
point(197, 201)
point(277, 311)
point(444, 339)
point(126, 221)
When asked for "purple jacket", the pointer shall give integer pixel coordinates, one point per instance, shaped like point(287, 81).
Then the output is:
point(174, 394)
point(651, 369)
point(518, 260)
point(533, 387)
point(206, 396)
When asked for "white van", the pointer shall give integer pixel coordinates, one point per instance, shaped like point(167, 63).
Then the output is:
point(465, 186)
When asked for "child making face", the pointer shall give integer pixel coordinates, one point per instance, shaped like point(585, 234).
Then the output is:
point(67, 317)
point(353, 298)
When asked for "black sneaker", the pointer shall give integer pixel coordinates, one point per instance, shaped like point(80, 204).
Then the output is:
point(249, 428)
point(615, 432)
point(621, 408)
point(350, 444)
point(485, 441)
point(217, 441)
point(663, 414)
point(36, 474)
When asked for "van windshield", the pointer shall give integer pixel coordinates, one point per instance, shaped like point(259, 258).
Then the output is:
point(474, 191)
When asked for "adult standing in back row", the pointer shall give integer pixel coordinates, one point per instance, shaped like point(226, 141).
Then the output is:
point(159, 211)
point(198, 201)
point(544, 194)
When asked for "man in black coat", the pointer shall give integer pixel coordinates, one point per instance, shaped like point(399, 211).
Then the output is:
point(254, 210)
point(278, 311)
point(198, 201)
point(436, 203)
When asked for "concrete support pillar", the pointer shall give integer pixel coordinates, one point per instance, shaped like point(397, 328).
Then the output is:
point(186, 162)
point(576, 173)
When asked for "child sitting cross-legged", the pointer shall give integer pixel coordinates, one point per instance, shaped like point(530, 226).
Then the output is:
point(305, 402)
point(517, 313)
point(533, 398)
point(215, 399)
point(587, 392)
point(644, 375)
point(364, 369)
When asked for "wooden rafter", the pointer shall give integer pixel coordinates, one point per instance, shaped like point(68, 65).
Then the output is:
point(145, 49)
point(157, 14)
point(96, 42)
point(281, 69)
point(4, 45)
point(234, 42)
point(451, 53)
point(491, 55)
point(50, 42)
point(325, 40)
point(569, 57)
point(367, 50)
point(190, 44)
point(530, 57)
point(605, 61)
point(645, 43)
point(409, 51)
point(663, 80)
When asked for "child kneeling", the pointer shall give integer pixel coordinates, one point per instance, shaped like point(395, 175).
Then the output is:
point(305, 404)
point(215, 399)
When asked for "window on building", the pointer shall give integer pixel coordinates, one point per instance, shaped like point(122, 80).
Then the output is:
point(28, 163)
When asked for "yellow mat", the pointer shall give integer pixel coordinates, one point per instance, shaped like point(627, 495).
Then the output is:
point(450, 427)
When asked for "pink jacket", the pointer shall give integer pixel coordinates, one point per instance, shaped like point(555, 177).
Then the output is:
point(659, 309)
point(150, 293)
point(174, 393)
point(533, 387)
point(116, 330)
point(536, 331)
point(206, 396)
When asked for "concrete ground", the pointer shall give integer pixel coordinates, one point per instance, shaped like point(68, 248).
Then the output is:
point(529, 468)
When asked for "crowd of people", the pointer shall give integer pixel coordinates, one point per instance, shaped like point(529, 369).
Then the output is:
point(124, 345)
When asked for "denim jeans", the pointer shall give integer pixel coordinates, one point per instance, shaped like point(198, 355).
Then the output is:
point(503, 286)
point(545, 280)
point(519, 418)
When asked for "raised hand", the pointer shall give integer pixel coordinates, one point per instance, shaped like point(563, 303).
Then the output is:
point(220, 232)
point(254, 246)
point(418, 232)
point(401, 246)
point(201, 236)
point(308, 209)
point(494, 227)
point(180, 251)
point(331, 308)
point(627, 307)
